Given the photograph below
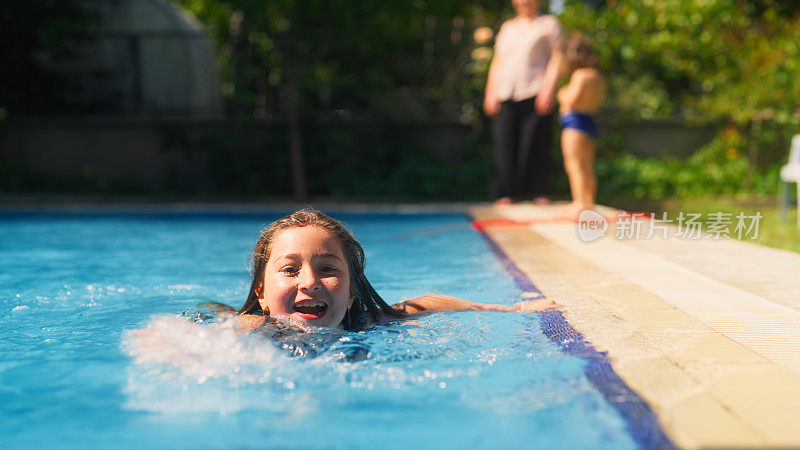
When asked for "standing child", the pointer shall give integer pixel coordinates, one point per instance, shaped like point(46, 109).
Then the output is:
point(579, 101)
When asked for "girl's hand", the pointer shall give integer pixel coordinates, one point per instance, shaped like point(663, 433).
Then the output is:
point(431, 303)
point(534, 305)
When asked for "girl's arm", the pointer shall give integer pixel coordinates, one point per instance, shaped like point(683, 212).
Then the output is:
point(433, 303)
point(245, 322)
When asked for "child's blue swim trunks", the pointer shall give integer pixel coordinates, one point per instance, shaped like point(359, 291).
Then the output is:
point(580, 122)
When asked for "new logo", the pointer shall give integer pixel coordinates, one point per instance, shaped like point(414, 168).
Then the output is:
point(591, 225)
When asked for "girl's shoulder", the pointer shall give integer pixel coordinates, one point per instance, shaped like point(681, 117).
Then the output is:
point(250, 321)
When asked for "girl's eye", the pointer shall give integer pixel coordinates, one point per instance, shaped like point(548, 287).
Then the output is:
point(327, 269)
point(289, 270)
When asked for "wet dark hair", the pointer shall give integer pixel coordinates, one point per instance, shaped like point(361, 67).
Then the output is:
point(368, 307)
point(579, 53)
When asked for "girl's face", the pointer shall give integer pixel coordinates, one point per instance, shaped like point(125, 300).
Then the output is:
point(306, 277)
point(526, 8)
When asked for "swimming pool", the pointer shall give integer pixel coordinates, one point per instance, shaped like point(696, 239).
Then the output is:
point(73, 285)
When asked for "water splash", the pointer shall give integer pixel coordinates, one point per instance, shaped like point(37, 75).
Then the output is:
point(182, 364)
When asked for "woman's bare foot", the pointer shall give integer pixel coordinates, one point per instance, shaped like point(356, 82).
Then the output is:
point(502, 201)
point(541, 201)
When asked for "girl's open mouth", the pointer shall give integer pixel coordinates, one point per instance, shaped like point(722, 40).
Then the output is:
point(311, 309)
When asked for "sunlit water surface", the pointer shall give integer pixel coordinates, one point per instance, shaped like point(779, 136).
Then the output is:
point(72, 287)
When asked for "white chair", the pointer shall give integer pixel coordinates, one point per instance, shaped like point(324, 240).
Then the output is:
point(790, 173)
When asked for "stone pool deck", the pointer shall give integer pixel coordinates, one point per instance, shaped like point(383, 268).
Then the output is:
point(707, 331)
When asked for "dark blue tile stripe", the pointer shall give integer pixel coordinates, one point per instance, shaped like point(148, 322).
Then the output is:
point(642, 423)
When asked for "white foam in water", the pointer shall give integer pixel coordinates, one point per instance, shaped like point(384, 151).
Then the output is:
point(184, 287)
point(201, 352)
point(180, 366)
point(172, 356)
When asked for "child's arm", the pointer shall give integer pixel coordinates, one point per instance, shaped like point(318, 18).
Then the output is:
point(568, 94)
point(433, 303)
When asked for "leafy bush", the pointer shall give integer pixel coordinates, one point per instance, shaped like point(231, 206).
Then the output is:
point(721, 167)
point(706, 59)
point(703, 60)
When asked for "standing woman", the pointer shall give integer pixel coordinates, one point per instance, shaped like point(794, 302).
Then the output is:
point(519, 96)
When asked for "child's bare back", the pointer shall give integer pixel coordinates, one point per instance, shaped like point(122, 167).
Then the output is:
point(584, 93)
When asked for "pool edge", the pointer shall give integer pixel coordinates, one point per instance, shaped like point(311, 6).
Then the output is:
point(642, 422)
point(692, 326)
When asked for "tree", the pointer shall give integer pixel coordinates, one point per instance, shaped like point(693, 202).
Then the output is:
point(305, 60)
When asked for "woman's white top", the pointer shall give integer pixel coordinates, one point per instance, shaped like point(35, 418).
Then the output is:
point(522, 48)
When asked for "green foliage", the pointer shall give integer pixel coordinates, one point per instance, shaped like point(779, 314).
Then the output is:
point(715, 169)
point(701, 58)
point(772, 231)
point(341, 53)
point(387, 161)
point(704, 60)
point(368, 75)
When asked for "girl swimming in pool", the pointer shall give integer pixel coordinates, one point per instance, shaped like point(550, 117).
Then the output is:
point(308, 269)
point(308, 275)
point(579, 101)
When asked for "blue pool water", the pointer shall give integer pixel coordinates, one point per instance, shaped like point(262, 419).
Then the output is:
point(74, 286)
